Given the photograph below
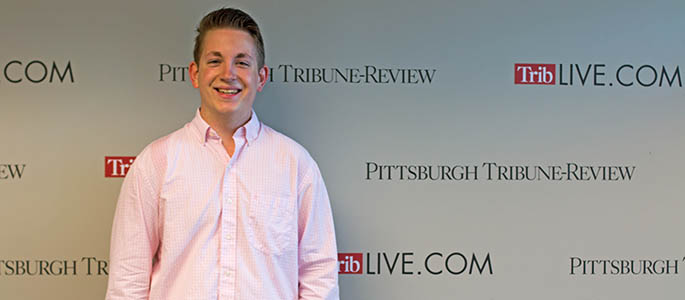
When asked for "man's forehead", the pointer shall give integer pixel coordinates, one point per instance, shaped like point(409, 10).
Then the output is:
point(229, 42)
point(237, 55)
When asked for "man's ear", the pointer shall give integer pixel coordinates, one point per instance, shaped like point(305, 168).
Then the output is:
point(193, 73)
point(263, 76)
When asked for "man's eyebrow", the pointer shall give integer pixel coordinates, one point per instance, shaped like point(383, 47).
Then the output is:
point(243, 55)
point(214, 53)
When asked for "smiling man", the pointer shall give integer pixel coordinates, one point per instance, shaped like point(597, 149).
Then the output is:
point(225, 207)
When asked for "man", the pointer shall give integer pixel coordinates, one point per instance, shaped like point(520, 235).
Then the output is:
point(225, 207)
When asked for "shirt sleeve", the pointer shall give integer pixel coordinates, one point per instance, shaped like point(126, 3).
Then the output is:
point(134, 237)
point(317, 257)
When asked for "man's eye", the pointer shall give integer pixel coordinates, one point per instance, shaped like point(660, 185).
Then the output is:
point(244, 63)
point(213, 61)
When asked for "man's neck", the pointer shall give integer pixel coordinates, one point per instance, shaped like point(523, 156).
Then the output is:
point(225, 126)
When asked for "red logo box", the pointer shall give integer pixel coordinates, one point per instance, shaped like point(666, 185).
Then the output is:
point(118, 166)
point(350, 263)
point(535, 74)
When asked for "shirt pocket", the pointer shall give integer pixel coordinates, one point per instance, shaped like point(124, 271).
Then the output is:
point(272, 225)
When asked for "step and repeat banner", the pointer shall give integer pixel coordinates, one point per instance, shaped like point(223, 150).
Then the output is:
point(472, 149)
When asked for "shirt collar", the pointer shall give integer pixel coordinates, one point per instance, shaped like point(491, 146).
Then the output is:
point(250, 131)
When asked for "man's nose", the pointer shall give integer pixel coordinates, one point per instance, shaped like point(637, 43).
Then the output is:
point(228, 72)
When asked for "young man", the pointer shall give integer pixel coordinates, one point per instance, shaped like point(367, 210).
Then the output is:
point(225, 207)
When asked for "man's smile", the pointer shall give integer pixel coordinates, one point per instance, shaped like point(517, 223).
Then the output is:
point(228, 91)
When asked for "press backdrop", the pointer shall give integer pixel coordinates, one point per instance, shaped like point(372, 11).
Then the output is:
point(471, 149)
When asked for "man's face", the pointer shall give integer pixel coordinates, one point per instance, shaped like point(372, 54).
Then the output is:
point(227, 74)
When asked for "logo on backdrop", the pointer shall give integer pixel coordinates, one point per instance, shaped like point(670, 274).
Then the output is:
point(11, 171)
point(367, 74)
point(89, 266)
point(624, 267)
point(598, 75)
point(288, 73)
point(408, 264)
point(169, 73)
point(118, 166)
point(492, 171)
point(37, 71)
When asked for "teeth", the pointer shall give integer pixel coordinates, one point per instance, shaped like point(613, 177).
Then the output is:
point(229, 91)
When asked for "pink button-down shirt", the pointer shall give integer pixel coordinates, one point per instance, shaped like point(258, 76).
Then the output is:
point(193, 223)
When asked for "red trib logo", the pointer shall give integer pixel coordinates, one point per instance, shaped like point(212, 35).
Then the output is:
point(118, 166)
point(535, 74)
point(350, 263)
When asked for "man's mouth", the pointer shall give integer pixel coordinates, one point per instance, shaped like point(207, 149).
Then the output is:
point(228, 91)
